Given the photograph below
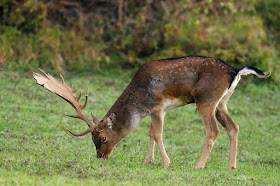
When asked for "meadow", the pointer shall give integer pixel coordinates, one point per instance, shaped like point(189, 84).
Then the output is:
point(36, 149)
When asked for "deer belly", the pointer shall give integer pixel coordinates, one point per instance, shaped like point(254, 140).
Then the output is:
point(169, 104)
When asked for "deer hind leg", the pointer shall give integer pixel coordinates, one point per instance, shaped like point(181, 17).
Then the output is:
point(232, 129)
point(207, 95)
point(150, 155)
point(207, 113)
point(157, 128)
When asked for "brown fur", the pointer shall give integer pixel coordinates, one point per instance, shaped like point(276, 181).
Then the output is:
point(162, 85)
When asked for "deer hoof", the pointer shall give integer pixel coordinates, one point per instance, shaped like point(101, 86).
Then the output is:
point(199, 167)
point(166, 164)
point(230, 169)
point(149, 161)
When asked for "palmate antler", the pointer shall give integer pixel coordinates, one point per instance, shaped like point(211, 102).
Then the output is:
point(65, 92)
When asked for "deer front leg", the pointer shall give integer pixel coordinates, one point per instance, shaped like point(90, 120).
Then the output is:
point(232, 129)
point(150, 155)
point(212, 131)
point(157, 128)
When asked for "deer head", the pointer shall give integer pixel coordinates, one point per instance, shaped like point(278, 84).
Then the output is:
point(103, 136)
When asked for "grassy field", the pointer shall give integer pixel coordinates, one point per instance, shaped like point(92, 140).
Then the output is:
point(35, 147)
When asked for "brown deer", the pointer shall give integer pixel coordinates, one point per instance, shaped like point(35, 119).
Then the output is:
point(159, 86)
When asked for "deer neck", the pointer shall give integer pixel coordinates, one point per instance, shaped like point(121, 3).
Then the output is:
point(128, 112)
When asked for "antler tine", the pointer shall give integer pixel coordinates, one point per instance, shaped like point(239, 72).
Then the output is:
point(79, 97)
point(47, 76)
point(81, 134)
point(85, 104)
point(62, 79)
point(72, 116)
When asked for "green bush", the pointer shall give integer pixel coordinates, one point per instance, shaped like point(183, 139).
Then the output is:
point(50, 47)
point(78, 34)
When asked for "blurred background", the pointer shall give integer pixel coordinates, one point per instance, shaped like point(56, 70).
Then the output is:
point(96, 34)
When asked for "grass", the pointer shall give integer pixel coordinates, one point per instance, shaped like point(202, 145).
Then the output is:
point(36, 149)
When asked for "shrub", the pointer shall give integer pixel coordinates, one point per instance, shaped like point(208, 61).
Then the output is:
point(76, 34)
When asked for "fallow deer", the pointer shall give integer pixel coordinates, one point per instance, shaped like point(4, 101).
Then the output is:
point(159, 86)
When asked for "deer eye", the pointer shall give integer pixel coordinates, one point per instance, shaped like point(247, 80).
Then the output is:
point(103, 139)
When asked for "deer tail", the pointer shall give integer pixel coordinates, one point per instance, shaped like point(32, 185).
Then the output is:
point(253, 70)
point(246, 71)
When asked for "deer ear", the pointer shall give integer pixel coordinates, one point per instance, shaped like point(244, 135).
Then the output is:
point(110, 120)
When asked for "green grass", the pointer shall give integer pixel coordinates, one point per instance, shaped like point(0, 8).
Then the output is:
point(36, 149)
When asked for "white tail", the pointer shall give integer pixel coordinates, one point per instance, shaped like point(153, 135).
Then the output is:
point(252, 70)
